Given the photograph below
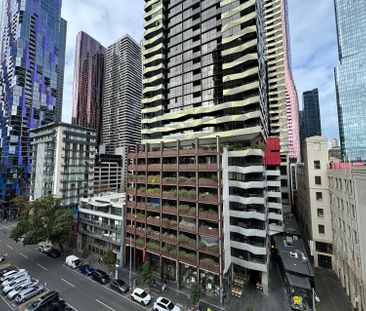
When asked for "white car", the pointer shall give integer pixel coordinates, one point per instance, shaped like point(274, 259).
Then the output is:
point(28, 293)
point(10, 273)
point(164, 304)
point(44, 247)
point(15, 283)
point(140, 296)
point(11, 295)
point(13, 277)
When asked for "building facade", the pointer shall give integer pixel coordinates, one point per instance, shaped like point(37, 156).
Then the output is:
point(204, 115)
point(311, 113)
point(350, 78)
point(88, 83)
point(347, 197)
point(101, 223)
point(282, 95)
point(313, 208)
point(122, 94)
point(108, 172)
point(63, 158)
point(32, 57)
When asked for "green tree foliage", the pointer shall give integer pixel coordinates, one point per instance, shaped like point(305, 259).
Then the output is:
point(85, 253)
point(43, 220)
point(109, 257)
point(195, 293)
point(146, 273)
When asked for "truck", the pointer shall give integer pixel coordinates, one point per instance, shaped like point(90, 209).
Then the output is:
point(72, 261)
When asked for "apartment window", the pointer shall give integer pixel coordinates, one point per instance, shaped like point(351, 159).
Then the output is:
point(319, 196)
point(350, 186)
point(320, 212)
point(353, 211)
point(321, 229)
point(317, 165)
point(318, 180)
point(355, 236)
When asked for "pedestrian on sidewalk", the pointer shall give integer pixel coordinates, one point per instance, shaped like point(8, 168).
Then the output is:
point(165, 287)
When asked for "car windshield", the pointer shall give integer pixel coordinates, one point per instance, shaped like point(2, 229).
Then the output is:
point(143, 294)
point(77, 262)
point(121, 283)
point(171, 306)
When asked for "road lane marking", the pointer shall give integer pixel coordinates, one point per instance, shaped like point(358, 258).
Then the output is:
point(41, 266)
point(71, 306)
point(21, 254)
point(7, 245)
point(126, 297)
point(68, 282)
point(102, 303)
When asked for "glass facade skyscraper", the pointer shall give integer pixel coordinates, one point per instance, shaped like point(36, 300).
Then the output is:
point(88, 83)
point(32, 56)
point(350, 77)
point(311, 113)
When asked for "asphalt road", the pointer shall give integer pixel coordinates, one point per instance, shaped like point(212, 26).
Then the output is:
point(80, 292)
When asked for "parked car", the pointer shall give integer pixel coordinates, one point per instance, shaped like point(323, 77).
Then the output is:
point(140, 296)
point(56, 306)
point(53, 253)
point(86, 269)
point(72, 261)
point(43, 301)
point(164, 304)
point(100, 276)
point(15, 283)
point(6, 268)
point(13, 277)
point(28, 293)
point(44, 247)
point(10, 273)
point(120, 286)
point(32, 282)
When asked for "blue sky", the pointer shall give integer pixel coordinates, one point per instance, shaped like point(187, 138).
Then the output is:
point(312, 31)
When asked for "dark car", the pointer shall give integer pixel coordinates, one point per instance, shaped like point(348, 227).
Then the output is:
point(53, 253)
point(86, 269)
point(100, 276)
point(55, 306)
point(120, 286)
point(44, 301)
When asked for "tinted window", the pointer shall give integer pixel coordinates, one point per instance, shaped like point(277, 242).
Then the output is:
point(143, 295)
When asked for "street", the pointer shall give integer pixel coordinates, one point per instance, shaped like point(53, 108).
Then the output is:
point(80, 292)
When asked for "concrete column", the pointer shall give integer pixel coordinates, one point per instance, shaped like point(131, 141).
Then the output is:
point(265, 282)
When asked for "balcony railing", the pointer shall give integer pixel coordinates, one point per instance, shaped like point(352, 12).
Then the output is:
point(210, 215)
point(187, 257)
point(169, 238)
point(169, 167)
point(100, 224)
point(153, 221)
point(172, 224)
point(209, 231)
point(212, 250)
point(210, 265)
point(170, 209)
point(207, 167)
point(154, 167)
point(208, 198)
point(152, 207)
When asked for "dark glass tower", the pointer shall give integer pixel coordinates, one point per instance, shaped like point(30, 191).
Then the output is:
point(350, 77)
point(32, 57)
point(311, 113)
point(88, 83)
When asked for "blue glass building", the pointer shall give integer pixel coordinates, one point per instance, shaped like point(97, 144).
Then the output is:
point(32, 60)
point(311, 113)
point(350, 78)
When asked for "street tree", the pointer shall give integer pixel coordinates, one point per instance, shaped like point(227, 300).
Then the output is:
point(146, 273)
point(43, 220)
point(109, 258)
point(85, 253)
point(195, 293)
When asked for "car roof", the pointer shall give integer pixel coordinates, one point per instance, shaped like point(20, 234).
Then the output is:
point(163, 300)
point(119, 281)
point(138, 290)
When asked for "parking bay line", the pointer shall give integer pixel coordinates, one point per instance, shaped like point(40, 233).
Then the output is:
point(102, 303)
point(41, 266)
point(7, 245)
point(68, 282)
point(9, 305)
point(21, 254)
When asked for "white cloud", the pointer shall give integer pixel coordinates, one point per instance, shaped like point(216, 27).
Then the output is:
point(314, 55)
point(105, 21)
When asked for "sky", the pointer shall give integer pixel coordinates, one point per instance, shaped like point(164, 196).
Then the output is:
point(314, 52)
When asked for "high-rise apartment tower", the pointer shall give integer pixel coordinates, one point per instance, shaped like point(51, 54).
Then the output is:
point(88, 83)
point(32, 56)
point(122, 94)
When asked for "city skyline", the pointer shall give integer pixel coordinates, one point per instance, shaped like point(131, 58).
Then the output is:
point(313, 56)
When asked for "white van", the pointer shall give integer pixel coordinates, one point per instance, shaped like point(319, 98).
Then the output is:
point(72, 261)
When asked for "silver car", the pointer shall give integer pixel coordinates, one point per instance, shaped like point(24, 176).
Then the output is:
point(15, 283)
point(9, 274)
point(13, 278)
point(28, 293)
point(11, 295)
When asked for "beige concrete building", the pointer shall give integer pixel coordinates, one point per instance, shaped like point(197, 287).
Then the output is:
point(313, 203)
point(347, 184)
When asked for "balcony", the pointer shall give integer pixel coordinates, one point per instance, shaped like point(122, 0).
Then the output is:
point(169, 209)
point(188, 151)
point(209, 231)
point(153, 246)
point(130, 216)
point(141, 167)
point(169, 238)
point(208, 182)
point(170, 167)
point(209, 215)
point(169, 223)
point(169, 180)
point(154, 167)
point(187, 167)
point(140, 205)
point(154, 154)
point(186, 210)
point(131, 167)
point(130, 229)
point(172, 194)
point(188, 228)
point(207, 167)
point(100, 224)
point(185, 181)
point(151, 234)
point(140, 231)
point(208, 198)
point(212, 250)
point(153, 207)
point(187, 195)
point(187, 257)
point(169, 251)
point(187, 242)
point(153, 221)
point(153, 192)
point(210, 265)
point(169, 153)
